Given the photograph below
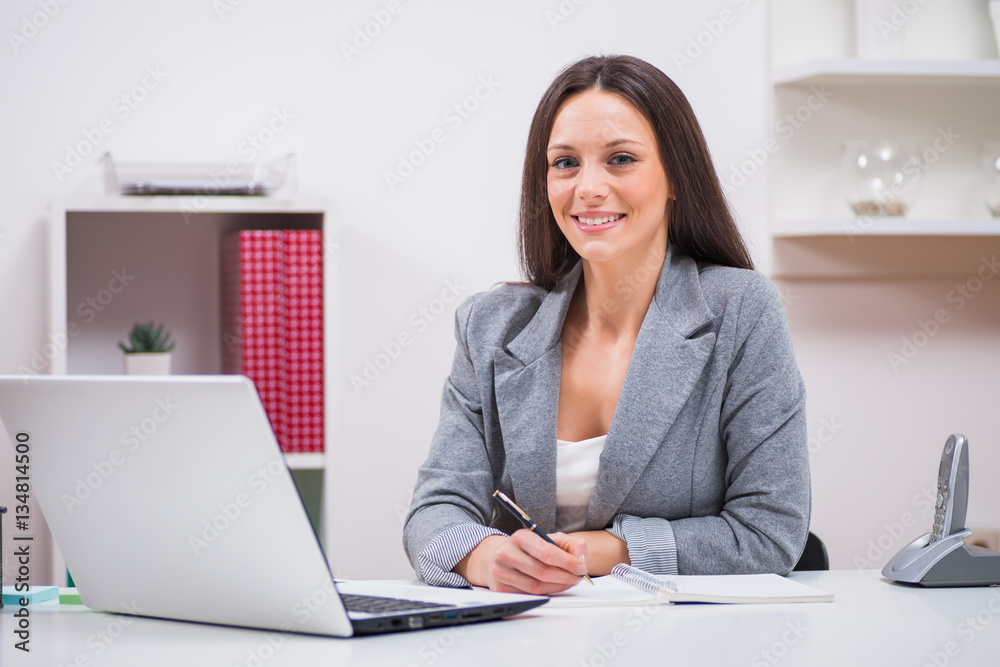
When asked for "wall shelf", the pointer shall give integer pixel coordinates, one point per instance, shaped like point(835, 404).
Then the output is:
point(197, 203)
point(948, 107)
point(901, 72)
point(853, 227)
point(306, 460)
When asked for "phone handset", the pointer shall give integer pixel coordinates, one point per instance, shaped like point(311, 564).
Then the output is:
point(952, 489)
point(941, 557)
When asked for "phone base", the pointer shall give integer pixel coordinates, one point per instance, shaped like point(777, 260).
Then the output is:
point(946, 563)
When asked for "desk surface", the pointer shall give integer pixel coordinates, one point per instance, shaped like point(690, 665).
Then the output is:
point(871, 622)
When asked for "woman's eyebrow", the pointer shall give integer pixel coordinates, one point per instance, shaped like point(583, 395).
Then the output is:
point(610, 144)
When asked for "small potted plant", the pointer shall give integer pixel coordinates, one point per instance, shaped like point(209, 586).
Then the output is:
point(148, 351)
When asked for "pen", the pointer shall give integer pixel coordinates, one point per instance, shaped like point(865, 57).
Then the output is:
point(526, 521)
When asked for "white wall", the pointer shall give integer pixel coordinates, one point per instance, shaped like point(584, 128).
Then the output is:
point(451, 220)
point(449, 223)
point(878, 423)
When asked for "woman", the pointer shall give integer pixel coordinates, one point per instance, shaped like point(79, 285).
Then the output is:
point(640, 394)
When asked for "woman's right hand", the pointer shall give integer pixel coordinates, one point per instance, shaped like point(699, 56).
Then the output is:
point(525, 563)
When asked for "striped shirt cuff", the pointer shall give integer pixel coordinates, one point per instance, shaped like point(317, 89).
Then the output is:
point(446, 550)
point(650, 542)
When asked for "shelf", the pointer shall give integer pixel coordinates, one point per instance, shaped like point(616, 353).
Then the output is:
point(881, 256)
point(902, 72)
point(306, 461)
point(198, 204)
point(161, 256)
point(853, 227)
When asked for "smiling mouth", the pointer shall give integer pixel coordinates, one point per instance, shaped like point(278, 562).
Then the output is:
point(598, 221)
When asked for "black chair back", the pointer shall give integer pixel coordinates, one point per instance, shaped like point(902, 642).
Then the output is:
point(814, 556)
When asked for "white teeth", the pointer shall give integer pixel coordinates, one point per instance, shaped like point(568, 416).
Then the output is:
point(600, 221)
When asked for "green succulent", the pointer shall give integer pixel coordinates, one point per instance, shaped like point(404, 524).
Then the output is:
point(148, 338)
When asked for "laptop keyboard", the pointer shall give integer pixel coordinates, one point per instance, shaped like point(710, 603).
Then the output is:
point(380, 605)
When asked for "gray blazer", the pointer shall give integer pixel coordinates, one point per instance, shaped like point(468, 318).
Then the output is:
point(705, 469)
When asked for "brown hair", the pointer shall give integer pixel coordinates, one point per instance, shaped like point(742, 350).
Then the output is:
point(700, 224)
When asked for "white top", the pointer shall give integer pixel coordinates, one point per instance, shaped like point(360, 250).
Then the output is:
point(576, 475)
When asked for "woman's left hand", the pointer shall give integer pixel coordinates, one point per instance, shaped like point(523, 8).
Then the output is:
point(604, 551)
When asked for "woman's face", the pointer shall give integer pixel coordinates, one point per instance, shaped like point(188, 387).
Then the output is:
point(607, 186)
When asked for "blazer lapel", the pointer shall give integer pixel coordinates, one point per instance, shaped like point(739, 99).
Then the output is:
point(527, 375)
point(666, 364)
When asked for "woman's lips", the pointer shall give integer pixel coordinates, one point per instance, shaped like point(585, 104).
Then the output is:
point(597, 221)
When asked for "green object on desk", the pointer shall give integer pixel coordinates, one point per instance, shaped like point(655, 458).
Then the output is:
point(3, 510)
point(33, 594)
point(69, 596)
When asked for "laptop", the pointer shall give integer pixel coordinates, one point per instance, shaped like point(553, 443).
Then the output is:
point(169, 497)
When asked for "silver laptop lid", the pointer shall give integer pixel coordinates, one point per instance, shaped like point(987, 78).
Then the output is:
point(126, 472)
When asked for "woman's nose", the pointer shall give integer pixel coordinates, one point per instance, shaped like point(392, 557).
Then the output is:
point(593, 183)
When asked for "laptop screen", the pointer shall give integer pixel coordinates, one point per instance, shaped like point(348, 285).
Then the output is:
point(169, 497)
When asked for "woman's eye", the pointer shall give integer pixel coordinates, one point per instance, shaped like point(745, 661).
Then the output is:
point(622, 160)
point(564, 163)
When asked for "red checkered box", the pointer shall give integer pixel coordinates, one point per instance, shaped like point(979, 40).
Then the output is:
point(272, 327)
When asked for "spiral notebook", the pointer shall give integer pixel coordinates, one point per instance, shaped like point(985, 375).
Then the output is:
point(631, 586)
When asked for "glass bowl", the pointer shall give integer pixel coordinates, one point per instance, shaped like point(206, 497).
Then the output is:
point(880, 178)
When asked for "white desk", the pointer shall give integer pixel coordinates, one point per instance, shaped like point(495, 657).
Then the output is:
point(871, 622)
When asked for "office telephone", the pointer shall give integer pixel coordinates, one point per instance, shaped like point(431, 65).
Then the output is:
point(940, 557)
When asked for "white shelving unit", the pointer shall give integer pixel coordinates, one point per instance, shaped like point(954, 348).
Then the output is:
point(117, 260)
point(949, 107)
point(892, 226)
point(306, 461)
point(902, 72)
point(857, 290)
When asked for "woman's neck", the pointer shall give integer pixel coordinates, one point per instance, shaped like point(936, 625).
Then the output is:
point(613, 297)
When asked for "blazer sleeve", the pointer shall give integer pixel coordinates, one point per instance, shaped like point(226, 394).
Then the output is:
point(452, 503)
point(765, 517)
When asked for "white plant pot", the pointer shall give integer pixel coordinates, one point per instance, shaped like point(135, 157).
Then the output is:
point(147, 363)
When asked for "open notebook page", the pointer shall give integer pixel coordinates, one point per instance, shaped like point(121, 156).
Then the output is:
point(727, 589)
